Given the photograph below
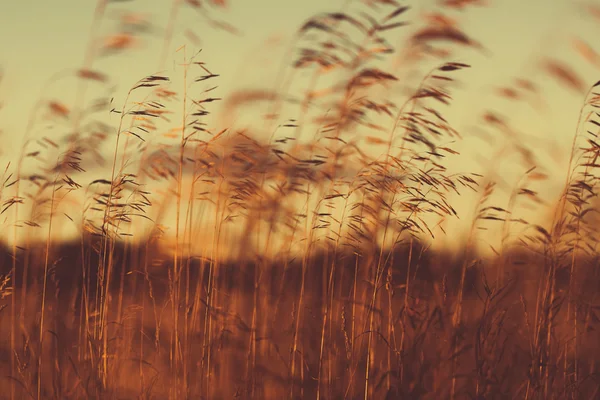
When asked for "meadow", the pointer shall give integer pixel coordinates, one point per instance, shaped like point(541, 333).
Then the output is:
point(294, 254)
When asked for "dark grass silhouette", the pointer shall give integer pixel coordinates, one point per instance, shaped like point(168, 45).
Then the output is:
point(496, 339)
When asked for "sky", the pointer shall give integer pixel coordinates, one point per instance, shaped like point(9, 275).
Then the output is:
point(39, 39)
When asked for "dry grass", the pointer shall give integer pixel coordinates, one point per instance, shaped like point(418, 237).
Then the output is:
point(295, 267)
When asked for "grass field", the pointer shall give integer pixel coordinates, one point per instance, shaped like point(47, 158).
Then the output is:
point(296, 257)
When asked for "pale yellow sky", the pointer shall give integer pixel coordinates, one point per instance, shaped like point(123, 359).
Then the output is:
point(40, 38)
